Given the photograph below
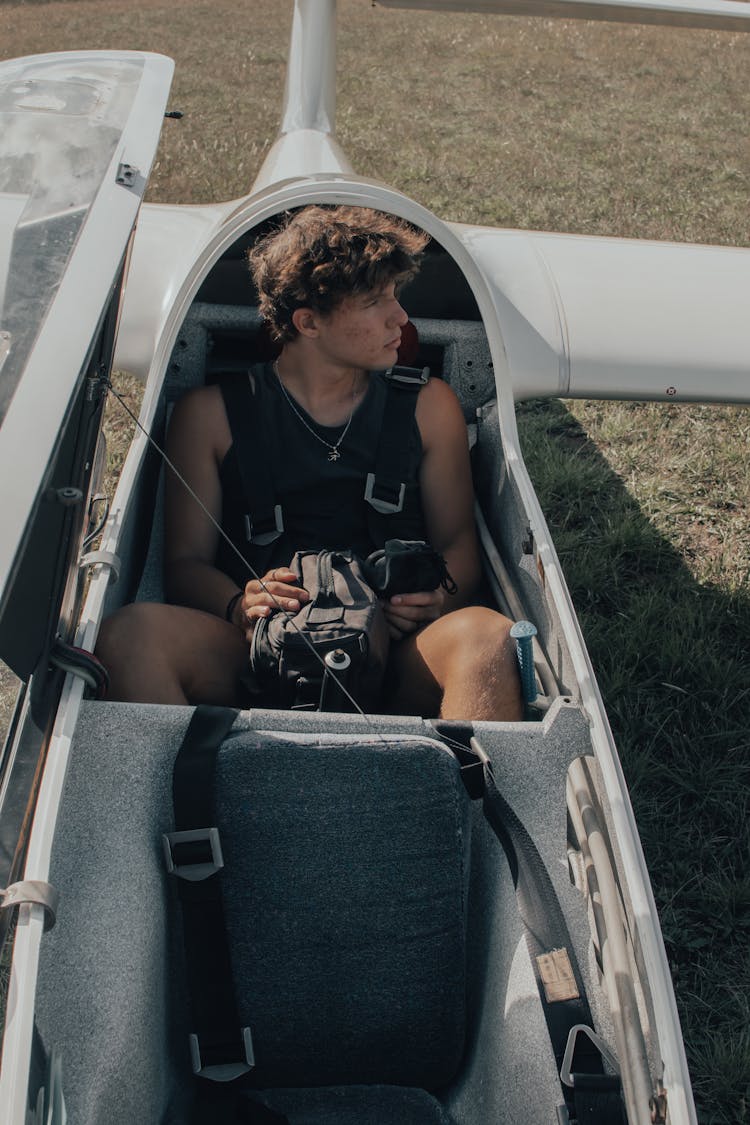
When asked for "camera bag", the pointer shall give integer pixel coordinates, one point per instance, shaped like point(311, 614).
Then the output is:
point(343, 617)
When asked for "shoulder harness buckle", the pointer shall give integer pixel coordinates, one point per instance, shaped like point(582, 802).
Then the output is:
point(408, 376)
point(382, 503)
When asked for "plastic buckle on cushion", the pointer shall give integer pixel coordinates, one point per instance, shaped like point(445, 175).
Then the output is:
point(380, 505)
point(206, 1064)
point(194, 854)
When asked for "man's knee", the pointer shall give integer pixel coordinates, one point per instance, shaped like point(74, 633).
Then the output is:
point(471, 644)
point(476, 634)
point(170, 654)
point(471, 656)
point(130, 628)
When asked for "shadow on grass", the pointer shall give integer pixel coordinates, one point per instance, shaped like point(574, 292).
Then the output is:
point(671, 657)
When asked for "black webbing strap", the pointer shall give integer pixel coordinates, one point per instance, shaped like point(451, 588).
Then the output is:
point(221, 1051)
point(386, 486)
point(594, 1098)
point(597, 1099)
point(219, 1048)
point(222, 1106)
point(264, 522)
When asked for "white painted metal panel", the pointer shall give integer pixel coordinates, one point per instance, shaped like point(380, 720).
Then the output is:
point(652, 320)
point(612, 318)
point(168, 242)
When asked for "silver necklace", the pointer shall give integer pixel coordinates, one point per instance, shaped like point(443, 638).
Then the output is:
point(333, 450)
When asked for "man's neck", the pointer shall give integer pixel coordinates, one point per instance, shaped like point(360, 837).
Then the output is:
point(325, 390)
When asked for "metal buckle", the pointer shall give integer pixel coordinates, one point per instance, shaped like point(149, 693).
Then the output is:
point(566, 1074)
point(383, 506)
point(223, 1072)
point(411, 376)
point(194, 872)
point(262, 538)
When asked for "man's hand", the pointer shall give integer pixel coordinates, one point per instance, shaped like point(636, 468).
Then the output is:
point(278, 590)
point(405, 613)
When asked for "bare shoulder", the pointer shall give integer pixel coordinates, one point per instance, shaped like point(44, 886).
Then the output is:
point(439, 414)
point(198, 401)
point(199, 420)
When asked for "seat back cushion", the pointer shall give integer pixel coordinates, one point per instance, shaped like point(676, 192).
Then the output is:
point(345, 886)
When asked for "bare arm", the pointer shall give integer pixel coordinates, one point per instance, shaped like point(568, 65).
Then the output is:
point(448, 503)
point(197, 441)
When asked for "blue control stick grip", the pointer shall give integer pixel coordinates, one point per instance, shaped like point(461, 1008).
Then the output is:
point(523, 632)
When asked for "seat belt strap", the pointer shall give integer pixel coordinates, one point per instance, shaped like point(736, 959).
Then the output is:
point(591, 1096)
point(226, 1106)
point(220, 1049)
point(264, 520)
point(385, 488)
point(558, 977)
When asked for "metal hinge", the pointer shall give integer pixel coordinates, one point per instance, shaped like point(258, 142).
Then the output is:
point(127, 176)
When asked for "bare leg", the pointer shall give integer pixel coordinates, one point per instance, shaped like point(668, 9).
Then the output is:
point(462, 666)
point(169, 654)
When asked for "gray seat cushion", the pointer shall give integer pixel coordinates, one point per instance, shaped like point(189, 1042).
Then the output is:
point(345, 899)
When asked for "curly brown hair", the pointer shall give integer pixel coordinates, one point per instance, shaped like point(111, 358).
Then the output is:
point(320, 255)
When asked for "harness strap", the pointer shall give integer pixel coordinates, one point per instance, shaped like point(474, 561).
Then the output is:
point(264, 520)
point(222, 1106)
point(591, 1096)
point(221, 1051)
point(385, 488)
point(594, 1097)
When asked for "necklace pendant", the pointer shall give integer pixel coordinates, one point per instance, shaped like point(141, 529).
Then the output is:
point(334, 455)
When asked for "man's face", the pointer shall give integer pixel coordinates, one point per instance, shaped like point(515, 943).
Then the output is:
point(364, 331)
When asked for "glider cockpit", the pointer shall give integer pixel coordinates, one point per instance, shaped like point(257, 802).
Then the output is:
point(221, 335)
point(500, 315)
point(125, 752)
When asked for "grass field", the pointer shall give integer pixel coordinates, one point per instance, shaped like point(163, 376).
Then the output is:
point(568, 126)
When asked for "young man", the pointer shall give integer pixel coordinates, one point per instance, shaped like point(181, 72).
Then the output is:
point(328, 284)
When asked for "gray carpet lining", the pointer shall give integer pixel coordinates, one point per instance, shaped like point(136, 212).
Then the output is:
point(111, 993)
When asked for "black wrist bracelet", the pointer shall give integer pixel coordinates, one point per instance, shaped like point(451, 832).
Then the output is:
point(231, 604)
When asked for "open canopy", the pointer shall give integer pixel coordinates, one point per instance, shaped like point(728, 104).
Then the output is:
point(78, 133)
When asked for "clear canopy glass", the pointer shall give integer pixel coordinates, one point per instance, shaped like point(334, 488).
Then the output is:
point(60, 122)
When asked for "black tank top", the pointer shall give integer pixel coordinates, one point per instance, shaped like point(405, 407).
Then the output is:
point(322, 501)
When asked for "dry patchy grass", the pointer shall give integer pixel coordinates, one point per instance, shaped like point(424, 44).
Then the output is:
point(571, 126)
